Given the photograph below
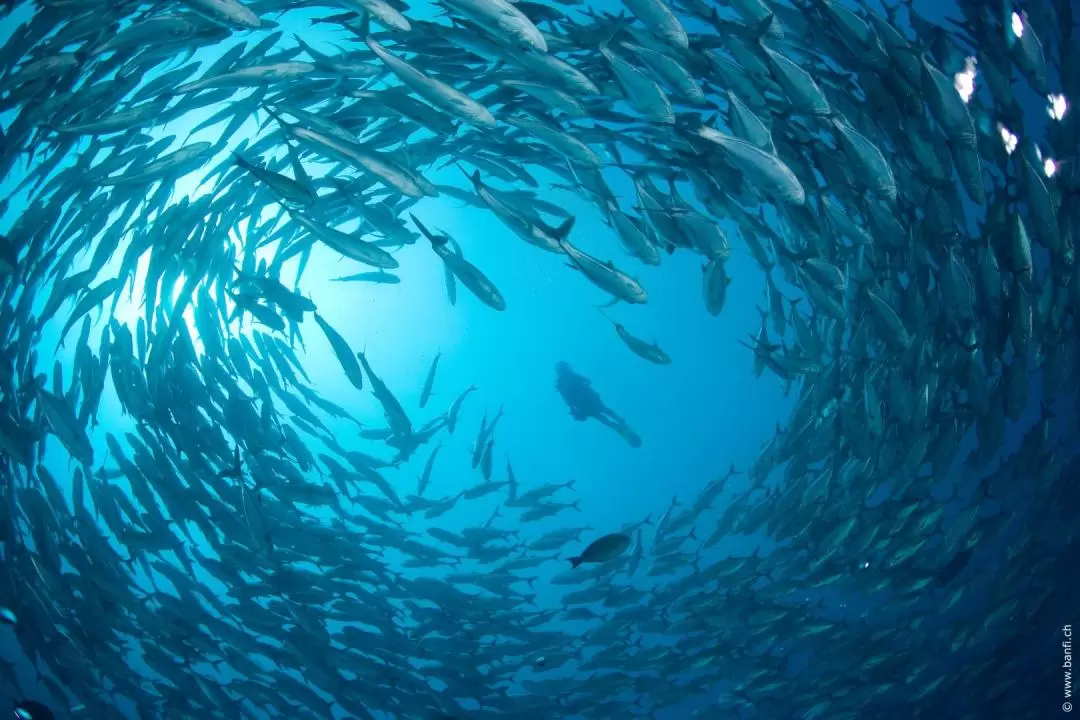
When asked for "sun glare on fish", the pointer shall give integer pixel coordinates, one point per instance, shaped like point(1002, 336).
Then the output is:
point(1008, 139)
point(1058, 106)
point(1049, 167)
point(964, 81)
point(1017, 25)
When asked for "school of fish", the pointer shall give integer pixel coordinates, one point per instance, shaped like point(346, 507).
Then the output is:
point(915, 229)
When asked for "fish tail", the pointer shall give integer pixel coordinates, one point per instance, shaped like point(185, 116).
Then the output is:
point(746, 345)
point(601, 309)
point(474, 178)
point(1047, 411)
point(85, 53)
point(434, 239)
point(575, 561)
point(762, 28)
point(273, 114)
point(240, 161)
point(561, 232)
point(619, 22)
point(237, 311)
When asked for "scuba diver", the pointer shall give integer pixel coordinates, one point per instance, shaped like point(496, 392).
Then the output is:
point(585, 403)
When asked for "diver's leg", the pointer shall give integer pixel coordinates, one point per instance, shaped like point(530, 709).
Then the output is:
point(607, 420)
point(620, 426)
point(629, 435)
point(613, 417)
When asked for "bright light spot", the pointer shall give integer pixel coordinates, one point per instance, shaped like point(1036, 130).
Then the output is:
point(1017, 25)
point(865, 565)
point(1058, 106)
point(1049, 167)
point(189, 311)
point(964, 81)
point(1008, 139)
point(178, 288)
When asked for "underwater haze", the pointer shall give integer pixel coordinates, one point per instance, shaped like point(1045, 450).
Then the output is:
point(543, 359)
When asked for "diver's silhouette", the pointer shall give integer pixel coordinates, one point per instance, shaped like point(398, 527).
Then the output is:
point(585, 403)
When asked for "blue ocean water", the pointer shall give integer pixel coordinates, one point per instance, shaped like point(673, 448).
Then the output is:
point(699, 416)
